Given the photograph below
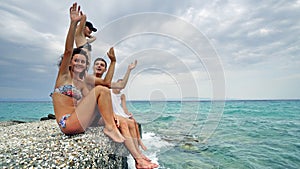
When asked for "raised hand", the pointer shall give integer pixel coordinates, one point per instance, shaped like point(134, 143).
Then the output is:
point(132, 65)
point(111, 54)
point(75, 13)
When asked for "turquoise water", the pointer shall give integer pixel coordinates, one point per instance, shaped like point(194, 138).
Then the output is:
point(250, 134)
point(24, 111)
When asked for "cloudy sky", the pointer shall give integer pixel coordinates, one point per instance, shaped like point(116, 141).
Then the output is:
point(185, 49)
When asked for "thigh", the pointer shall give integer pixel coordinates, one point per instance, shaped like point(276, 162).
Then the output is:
point(85, 109)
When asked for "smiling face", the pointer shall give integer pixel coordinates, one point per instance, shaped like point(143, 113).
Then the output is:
point(78, 63)
point(99, 67)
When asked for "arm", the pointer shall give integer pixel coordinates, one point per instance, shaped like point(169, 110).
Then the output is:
point(79, 35)
point(123, 103)
point(122, 84)
point(94, 81)
point(85, 91)
point(111, 69)
point(75, 16)
point(91, 39)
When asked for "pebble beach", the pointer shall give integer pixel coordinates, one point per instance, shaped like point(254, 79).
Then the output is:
point(41, 144)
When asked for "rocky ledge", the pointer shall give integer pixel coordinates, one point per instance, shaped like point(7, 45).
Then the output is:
point(41, 144)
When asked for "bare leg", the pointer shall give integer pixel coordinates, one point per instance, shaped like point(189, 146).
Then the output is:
point(85, 110)
point(140, 161)
point(139, 136)
point(133, 133)
point(106, 110)
point(135, 137)
point(139, 140)
point(101, 122)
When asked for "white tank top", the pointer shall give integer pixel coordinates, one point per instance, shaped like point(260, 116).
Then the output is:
point(116, 104)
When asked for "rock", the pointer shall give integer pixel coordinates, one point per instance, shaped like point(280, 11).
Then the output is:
point(10, 123)
point(18, 121)
point(44, 118)
point(188, 147)
point(51, 116)
point(140, 129)
point(29, 145)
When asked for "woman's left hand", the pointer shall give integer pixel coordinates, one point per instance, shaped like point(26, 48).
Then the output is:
point(75, 13)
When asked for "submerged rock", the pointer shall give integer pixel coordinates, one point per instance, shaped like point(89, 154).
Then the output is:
point(42, 145)
point(189, 147)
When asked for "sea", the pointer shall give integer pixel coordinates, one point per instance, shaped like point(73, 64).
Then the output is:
point(231, 134)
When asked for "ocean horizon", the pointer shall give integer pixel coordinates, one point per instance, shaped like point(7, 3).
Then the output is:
point(157, 100)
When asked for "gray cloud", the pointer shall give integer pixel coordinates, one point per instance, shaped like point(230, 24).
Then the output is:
point(249, 37)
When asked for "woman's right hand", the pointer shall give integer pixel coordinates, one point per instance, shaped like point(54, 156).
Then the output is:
point(75, 13)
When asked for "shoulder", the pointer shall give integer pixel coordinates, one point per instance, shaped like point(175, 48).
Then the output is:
point(88, 78)
point(123, 96)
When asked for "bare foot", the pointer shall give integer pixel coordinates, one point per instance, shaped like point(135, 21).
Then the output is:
point(140, 163)
point(115, 135)
point(142, 145)
point(145, 157)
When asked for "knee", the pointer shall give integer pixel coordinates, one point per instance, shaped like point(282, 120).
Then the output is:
point(131, 124)
point(99, 87)
point(123, 124)
point(102, 90)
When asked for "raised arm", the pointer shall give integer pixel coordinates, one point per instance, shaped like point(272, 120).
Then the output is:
point(79, 35)
point(95, 81)
point(121, 84)
point(111, 68)
point(75, 16)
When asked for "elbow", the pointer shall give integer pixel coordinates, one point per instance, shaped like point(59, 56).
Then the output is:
point(107, 84)
point(122, 85)
point(118, 87)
